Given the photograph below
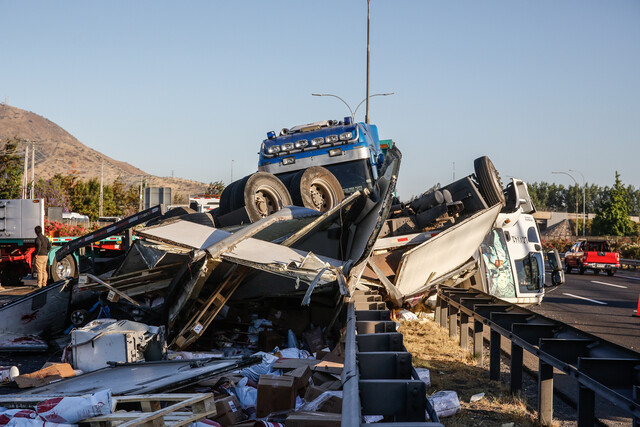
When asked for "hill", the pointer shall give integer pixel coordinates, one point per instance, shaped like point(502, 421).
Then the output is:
point(57, 151)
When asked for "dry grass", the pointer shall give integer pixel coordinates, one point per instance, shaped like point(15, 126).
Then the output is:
point(453, 368)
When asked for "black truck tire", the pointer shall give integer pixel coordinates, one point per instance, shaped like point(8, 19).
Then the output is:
point(489, 180)
point(66, 268)
point(316, 188)
point(226, 199)
point(262, 194)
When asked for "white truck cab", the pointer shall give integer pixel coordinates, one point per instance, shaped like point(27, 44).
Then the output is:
point(511, 255)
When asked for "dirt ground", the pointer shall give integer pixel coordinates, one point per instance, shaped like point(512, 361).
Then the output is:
point(452, 368)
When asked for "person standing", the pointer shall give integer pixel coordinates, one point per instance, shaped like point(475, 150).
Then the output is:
point(43, 246)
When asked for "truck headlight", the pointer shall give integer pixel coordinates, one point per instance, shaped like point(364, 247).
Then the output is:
point(288, 161)
point(287, 146)
point(302, 143)
point(331, 139)
point(346, 136)
point(335, 152)
point(274, 149)
point(317, 141)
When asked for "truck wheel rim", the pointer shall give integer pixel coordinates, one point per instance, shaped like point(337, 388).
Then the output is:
point(63, 268)
point(322, 197)
point(266, 201)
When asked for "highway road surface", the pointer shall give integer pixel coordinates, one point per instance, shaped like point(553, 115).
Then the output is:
point(598, 304)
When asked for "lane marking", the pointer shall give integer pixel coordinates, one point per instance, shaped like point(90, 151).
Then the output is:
point(609, 284)
point(586, 299)
point(629, 277)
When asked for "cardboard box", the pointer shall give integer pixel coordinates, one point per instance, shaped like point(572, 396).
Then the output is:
point(275, 393)
point(314, 339)
point(313, 419)
point(302, 375)
point(229, 411)
point(45, 375)
point(268, 340)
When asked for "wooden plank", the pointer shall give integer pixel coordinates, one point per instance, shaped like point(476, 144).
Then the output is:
point(315, 365)
point(111, 288)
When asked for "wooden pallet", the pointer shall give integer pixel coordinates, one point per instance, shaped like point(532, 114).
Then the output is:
point(185, 410)
point(209, 308)
point(153, 415)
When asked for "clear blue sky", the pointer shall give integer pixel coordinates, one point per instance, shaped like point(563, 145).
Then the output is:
point(190, 86)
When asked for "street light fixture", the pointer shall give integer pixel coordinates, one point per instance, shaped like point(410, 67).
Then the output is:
point(584, 212)
point(353, 112)
point(577, 195)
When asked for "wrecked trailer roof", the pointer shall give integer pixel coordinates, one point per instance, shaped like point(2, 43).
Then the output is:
point(144, 377)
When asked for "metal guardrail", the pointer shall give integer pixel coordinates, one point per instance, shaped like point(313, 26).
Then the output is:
point(598, 366)
point(378, 377)
point(634, 263)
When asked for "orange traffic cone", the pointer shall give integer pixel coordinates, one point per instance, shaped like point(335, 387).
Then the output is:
point(637, 312)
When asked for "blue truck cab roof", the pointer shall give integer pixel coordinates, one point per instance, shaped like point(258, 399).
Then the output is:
point(319, 143)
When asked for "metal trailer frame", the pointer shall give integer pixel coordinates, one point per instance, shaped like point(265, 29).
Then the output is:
point(597, 365)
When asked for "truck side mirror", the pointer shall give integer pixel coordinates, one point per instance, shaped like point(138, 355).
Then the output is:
point(557, 275)
point(557, 278)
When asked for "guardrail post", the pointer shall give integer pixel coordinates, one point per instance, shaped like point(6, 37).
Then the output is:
point(444, 313)
point(545, 393)
point(586, 407)
point(464, 330)
point(453, 322)
point(516, 368)
point(478, 329)
point(494, 356)
point(636, 398)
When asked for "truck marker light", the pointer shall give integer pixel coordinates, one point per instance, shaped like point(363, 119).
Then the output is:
point(36, 201)
point(348, 121)
point(335, 152)
point(301, 143)
point(288, 161)
point(317, 141)
point(271, 134)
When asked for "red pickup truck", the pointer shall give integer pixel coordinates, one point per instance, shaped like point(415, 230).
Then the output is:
point(593, 254)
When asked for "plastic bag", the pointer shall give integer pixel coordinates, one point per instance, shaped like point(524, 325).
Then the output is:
point(424, 375)
point(247, 396)
point(315, 404)
point(445, 403)
point(73, 409)
point(264, 368)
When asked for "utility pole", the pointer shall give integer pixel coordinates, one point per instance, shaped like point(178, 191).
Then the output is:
point(101, 188)
point(584, 212)
point(366, 118)
point(140, 206)
point(33, 168)
point(24, 172)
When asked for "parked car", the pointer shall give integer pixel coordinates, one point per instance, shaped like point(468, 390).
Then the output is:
point(593, 254)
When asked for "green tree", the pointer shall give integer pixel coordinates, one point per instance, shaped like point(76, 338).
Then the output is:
point(10, 169)
point(216, 187)
point(613, 218)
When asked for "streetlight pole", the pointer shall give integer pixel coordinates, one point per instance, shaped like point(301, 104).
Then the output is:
point(353, 112)
point(577, 195)
point(366, 116)
point(584, 212)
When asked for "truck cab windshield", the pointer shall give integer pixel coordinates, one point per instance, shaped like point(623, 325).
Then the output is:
point(529, 271)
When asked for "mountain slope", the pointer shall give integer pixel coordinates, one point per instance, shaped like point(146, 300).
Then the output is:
point(57, 151)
